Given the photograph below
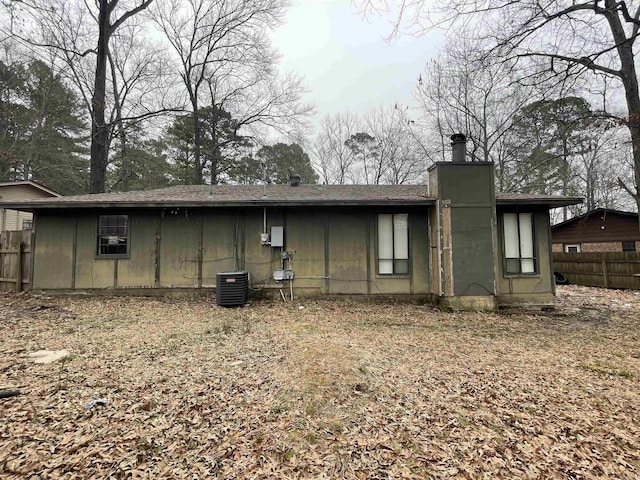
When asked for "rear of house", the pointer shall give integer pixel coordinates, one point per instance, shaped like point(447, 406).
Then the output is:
point(453, 241)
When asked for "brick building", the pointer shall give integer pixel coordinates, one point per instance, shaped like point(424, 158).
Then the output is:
point(599, 230)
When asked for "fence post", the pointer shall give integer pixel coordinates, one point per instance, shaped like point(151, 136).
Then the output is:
point(605, 273)
point(19, 267)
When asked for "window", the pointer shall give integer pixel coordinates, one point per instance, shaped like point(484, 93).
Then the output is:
point(27, 224)
point(519, 248)
point(628, 245)
point(393, 244)
point(572, 248)
point(112, 235)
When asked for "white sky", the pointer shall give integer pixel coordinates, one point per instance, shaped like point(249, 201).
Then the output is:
point(345, 60)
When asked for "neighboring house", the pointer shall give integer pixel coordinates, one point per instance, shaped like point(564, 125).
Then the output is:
point(452, 241)
point(12, 219)
point(599, 230)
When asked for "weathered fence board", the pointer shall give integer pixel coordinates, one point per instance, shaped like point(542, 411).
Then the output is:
point(600, 269)
point(15, 253)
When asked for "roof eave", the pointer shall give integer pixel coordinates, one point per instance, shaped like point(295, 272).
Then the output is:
point(541, 202)
point(32, 206)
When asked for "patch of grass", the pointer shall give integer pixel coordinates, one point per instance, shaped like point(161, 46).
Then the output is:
point(463, 420)
point(608, 369)
point(278, 408)
point(626, 373)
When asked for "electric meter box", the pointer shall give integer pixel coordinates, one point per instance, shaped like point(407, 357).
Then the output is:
point(277, 236)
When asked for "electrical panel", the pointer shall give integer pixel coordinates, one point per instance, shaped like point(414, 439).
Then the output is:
point(277, 236)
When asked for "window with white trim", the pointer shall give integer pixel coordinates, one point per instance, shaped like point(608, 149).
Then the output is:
point(519, 243)
point(393, 243)
point(113, 235)
point(572, 248)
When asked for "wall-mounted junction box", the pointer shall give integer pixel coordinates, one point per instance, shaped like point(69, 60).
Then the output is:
point(277, 236)
point(279, 275)
point(264, 239)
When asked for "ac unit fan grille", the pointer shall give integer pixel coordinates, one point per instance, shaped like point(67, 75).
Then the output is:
point(232, 288)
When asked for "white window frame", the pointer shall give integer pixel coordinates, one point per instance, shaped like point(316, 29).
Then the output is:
point(392, 256)
point(519, 243)
point(572, 245)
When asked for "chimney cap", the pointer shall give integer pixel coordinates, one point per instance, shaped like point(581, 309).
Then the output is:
point(295, 179)
point(458, 137)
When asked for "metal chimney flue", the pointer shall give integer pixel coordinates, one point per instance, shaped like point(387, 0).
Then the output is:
point(458, 148)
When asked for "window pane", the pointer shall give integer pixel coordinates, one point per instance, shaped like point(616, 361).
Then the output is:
point(528, 265)
point(513, 265)
point(112, 234)
point(628, 246)
point(385, 238)
point(385, 266)
point(401, 266)
point(526, 235)
point(511, 249)
point(401, 237)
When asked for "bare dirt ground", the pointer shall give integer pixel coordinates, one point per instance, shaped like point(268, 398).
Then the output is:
point(331, 390)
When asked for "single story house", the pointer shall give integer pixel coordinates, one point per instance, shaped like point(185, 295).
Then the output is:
point(599, 230)
point(453, 241)
point(12, 219)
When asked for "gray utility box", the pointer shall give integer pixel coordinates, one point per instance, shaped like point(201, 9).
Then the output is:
point(277, 236)
point(279, 275)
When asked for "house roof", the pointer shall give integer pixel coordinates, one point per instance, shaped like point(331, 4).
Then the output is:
point(30, 184)
point(599, 225)
point(272, 195)
point(595, 212)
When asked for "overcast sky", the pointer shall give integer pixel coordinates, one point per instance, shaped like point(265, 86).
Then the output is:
point(345, 60)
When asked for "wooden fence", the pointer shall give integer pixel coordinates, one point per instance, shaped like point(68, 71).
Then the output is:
point(15, 260)
point(600, 269)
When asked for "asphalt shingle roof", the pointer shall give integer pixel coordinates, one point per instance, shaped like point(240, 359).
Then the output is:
point(259, 195)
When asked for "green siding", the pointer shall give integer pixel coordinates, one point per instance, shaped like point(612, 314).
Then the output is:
point(221, 249)
point(305, 238)
point(472, 242)
point(348, 253)
point(53, 255)
point(178, 254)
point(230, 239)
point(139, 269)
point(91, 272)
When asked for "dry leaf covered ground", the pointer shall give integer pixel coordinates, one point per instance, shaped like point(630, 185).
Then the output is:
point(333, 390)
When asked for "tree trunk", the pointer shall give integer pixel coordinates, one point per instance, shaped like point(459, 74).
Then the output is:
point(629, 79)
point(99, 130)
point(197, 135)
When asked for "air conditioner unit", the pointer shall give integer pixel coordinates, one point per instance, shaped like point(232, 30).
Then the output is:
point(232, 288)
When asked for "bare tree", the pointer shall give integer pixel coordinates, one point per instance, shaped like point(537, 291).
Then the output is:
point(399, 157)
point(331, 156)
point(66, 27)
point(138, 89)
point(559, 40)
point(460, 92)
point(227, 64)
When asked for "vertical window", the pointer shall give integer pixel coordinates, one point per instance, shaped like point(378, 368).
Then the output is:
point(112, 235)
point(519, 244)
point(393, 243)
